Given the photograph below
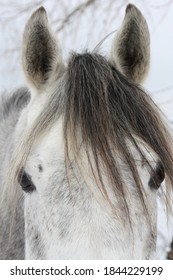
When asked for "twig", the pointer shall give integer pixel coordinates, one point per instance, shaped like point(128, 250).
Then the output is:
point(162, 5)
point(163, 90)
point(78, 9)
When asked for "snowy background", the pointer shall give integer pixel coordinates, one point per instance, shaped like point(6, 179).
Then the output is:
point(80, 25)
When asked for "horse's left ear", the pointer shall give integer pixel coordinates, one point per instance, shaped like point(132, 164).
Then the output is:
point(131, 46)
point(41, 53)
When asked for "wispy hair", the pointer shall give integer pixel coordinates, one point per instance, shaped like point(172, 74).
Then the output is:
point(107, 111)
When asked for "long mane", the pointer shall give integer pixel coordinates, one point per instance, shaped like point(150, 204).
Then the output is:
point(106, 110)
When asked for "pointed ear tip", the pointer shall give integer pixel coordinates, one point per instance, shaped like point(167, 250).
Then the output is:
point(130, 7)
point(40, 10)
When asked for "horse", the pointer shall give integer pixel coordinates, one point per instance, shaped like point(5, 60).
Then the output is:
point(83, 150)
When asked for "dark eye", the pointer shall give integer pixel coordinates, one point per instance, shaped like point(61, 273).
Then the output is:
point(157, 177)
point(26, 183)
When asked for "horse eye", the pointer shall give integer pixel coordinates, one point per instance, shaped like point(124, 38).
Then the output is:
point(26, 183)
point(157, 177)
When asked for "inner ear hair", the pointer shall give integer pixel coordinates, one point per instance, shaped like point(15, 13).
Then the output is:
point(41, 52)
point(131, 46)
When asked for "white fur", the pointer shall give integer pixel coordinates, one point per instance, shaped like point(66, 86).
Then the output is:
point(93, 229)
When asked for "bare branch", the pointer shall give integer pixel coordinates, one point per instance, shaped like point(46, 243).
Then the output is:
point(79, 9)
point(163, 5)
point(163, 90)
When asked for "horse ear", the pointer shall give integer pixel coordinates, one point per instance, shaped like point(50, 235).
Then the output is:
point(41, 54)
point(131, 46)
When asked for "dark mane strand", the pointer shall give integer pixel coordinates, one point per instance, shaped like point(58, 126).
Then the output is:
point(106, 110)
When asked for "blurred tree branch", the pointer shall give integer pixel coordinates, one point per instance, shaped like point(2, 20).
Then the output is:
point(78, 9)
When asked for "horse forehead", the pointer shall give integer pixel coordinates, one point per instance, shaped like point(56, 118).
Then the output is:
point(50, 147)
point(40, 98)
point(35, 107)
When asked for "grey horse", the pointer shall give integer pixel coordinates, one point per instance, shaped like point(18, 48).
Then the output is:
point(83, 152)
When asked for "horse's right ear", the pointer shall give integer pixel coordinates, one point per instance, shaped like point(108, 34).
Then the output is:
point(41, 53)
